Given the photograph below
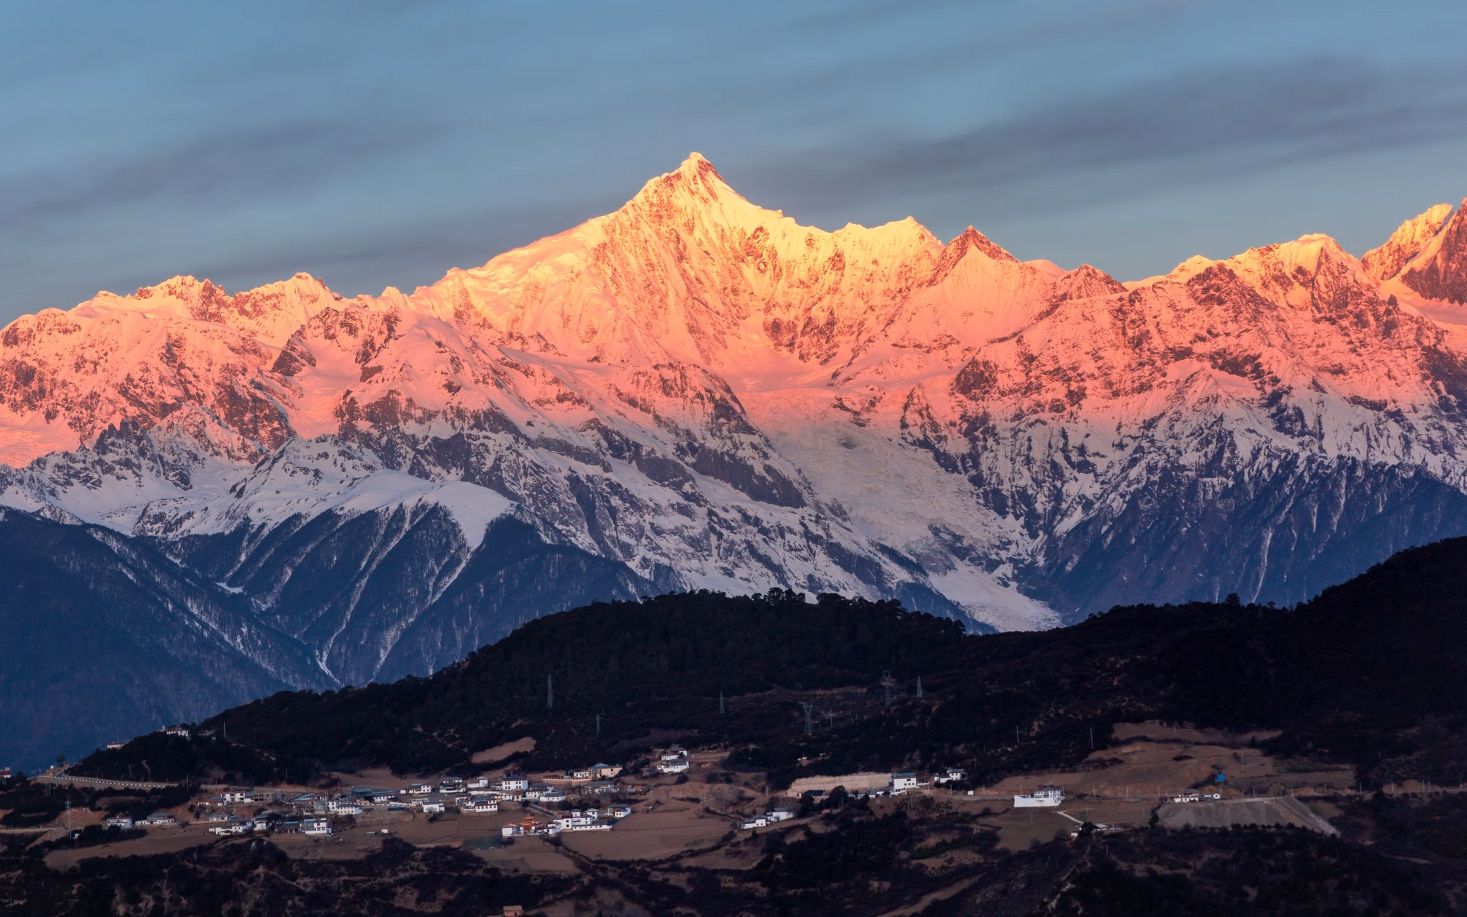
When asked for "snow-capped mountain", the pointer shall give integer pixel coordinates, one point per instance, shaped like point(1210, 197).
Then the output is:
point(695, 392)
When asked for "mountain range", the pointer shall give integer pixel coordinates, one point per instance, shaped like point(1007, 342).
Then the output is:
point(285, 487)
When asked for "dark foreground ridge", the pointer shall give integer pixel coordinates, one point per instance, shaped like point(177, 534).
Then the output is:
point(1367, 676)
point(1351, 675)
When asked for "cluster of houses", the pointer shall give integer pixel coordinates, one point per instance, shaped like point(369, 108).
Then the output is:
point(906, 781)
point(901, 783)
point(224, 824)
point(575, 820)
point(155, 820)
point(773, 816)
point(312, 813)
point(672, 761)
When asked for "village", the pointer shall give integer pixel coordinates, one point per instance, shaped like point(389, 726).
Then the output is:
point(555, 804)
point(687, 804)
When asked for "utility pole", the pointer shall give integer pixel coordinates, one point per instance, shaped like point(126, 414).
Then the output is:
point(1092, 738)
point(721, 708)
point(549, 692)
point(598, 724)
point(919, 686)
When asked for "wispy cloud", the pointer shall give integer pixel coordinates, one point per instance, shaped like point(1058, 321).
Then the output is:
point(1214, 121)
point(220, 167)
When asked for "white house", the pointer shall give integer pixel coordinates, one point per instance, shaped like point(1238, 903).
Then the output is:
point(952, 775)
point(759, 821)
point(478, 783)
point(602, 771)
point(672, 765)
point(574, 820)
point(479, 806)
point(778, 815)
point(238, 796)
point(316, 827)
point(118, 821)
point(1044, 797)
point(514, 783)
point(433, 807)
point(343, 807)
point(903, 781)
point(552, 794)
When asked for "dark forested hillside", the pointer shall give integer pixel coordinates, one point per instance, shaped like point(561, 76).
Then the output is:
point(1368, 673)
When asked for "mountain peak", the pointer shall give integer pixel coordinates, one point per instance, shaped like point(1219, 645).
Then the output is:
point(696, 164)
point(695, 180)
point(1387, 260)
point(972, 238)
point(1439, 269)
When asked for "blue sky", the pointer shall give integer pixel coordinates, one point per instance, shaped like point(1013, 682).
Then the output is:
point(376, 142)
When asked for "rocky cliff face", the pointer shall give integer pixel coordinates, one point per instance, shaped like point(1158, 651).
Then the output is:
point(1439, 269)
point(696, 392)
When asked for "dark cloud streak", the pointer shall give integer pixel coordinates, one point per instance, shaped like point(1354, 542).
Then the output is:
point(197, 173)
point(1216, 122)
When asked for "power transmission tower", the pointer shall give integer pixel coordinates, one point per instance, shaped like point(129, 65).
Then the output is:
point(809, 723)
point(886, 682)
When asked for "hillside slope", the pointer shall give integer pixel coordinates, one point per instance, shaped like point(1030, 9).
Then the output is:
point(1350, 675)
